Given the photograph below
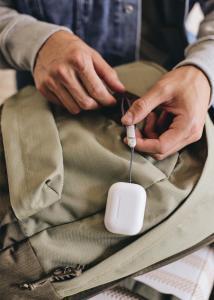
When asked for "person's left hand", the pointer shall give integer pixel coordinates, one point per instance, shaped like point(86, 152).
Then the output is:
point(183, 93)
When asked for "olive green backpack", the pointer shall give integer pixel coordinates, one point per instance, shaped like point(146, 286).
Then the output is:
point(56, 170)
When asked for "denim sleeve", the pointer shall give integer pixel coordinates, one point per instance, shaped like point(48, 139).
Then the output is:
point(21, 37)
point(201, 53)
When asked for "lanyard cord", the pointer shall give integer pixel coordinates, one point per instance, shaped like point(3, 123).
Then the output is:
point(125, 98)
point(130, 165)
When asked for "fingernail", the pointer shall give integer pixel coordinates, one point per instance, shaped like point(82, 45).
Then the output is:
point(113, 103)
point(121, 85)
point(127, 118)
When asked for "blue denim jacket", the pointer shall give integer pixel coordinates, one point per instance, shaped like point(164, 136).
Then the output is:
point(109, 26)
point(113, 27)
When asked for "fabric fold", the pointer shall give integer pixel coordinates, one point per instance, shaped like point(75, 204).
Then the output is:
point(30, 143)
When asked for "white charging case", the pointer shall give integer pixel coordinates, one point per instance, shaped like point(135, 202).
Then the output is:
point(125, 208)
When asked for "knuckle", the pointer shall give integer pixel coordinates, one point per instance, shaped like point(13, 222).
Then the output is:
point(158, 157)
point(163, 148)
point(49, 83)
point(78, 62)
point(140, 105)
point(61, 71)
point(197, 136)
point(194, 128)
point(196, 131)
point(96, 91)
point(164, 87)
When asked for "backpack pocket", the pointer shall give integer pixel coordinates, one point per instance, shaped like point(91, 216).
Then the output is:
point(33, 153)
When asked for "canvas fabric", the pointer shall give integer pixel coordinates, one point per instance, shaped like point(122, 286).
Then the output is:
point(57, 172)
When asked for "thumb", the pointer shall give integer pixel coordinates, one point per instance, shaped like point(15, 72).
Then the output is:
point(143, 106)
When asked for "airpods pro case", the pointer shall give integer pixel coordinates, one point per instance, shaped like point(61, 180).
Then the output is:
point(125, 208)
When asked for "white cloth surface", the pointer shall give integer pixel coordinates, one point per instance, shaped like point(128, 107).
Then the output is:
point(190, 278)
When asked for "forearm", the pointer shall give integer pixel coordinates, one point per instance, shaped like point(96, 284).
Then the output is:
point(201, 53)
point(21, 37)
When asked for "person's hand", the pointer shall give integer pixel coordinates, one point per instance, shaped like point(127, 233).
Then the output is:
point(183, 94)
point(69, 72)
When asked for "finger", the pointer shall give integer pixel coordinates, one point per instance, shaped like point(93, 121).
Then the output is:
point(143, 106)
point(78, 93)
point(162, 118)
point(167, 141)
point(150, 126)
point(108, 74)
point(176, 148)
point(94, 85)
point(164, 121)
point(50, 96)
point(66, 99)
point(138, 133)
point(172, 151)
point(187, 141)
point(163, 156)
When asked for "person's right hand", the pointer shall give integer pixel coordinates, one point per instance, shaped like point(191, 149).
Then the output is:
point(68, 72)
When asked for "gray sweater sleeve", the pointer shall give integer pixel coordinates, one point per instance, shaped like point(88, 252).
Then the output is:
point(201, 53)
point(21, 36)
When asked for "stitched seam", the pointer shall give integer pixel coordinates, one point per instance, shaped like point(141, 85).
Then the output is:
point(175, 281)
point(194, 292)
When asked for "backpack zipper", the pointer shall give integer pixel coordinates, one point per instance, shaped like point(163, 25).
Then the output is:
point(59, 274)
point(68, 272)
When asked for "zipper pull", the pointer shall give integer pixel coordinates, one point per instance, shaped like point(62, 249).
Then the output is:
point(60, 274)
point(33, 285)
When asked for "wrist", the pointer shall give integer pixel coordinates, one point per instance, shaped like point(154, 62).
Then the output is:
point(203, 71)
point(198, 77)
